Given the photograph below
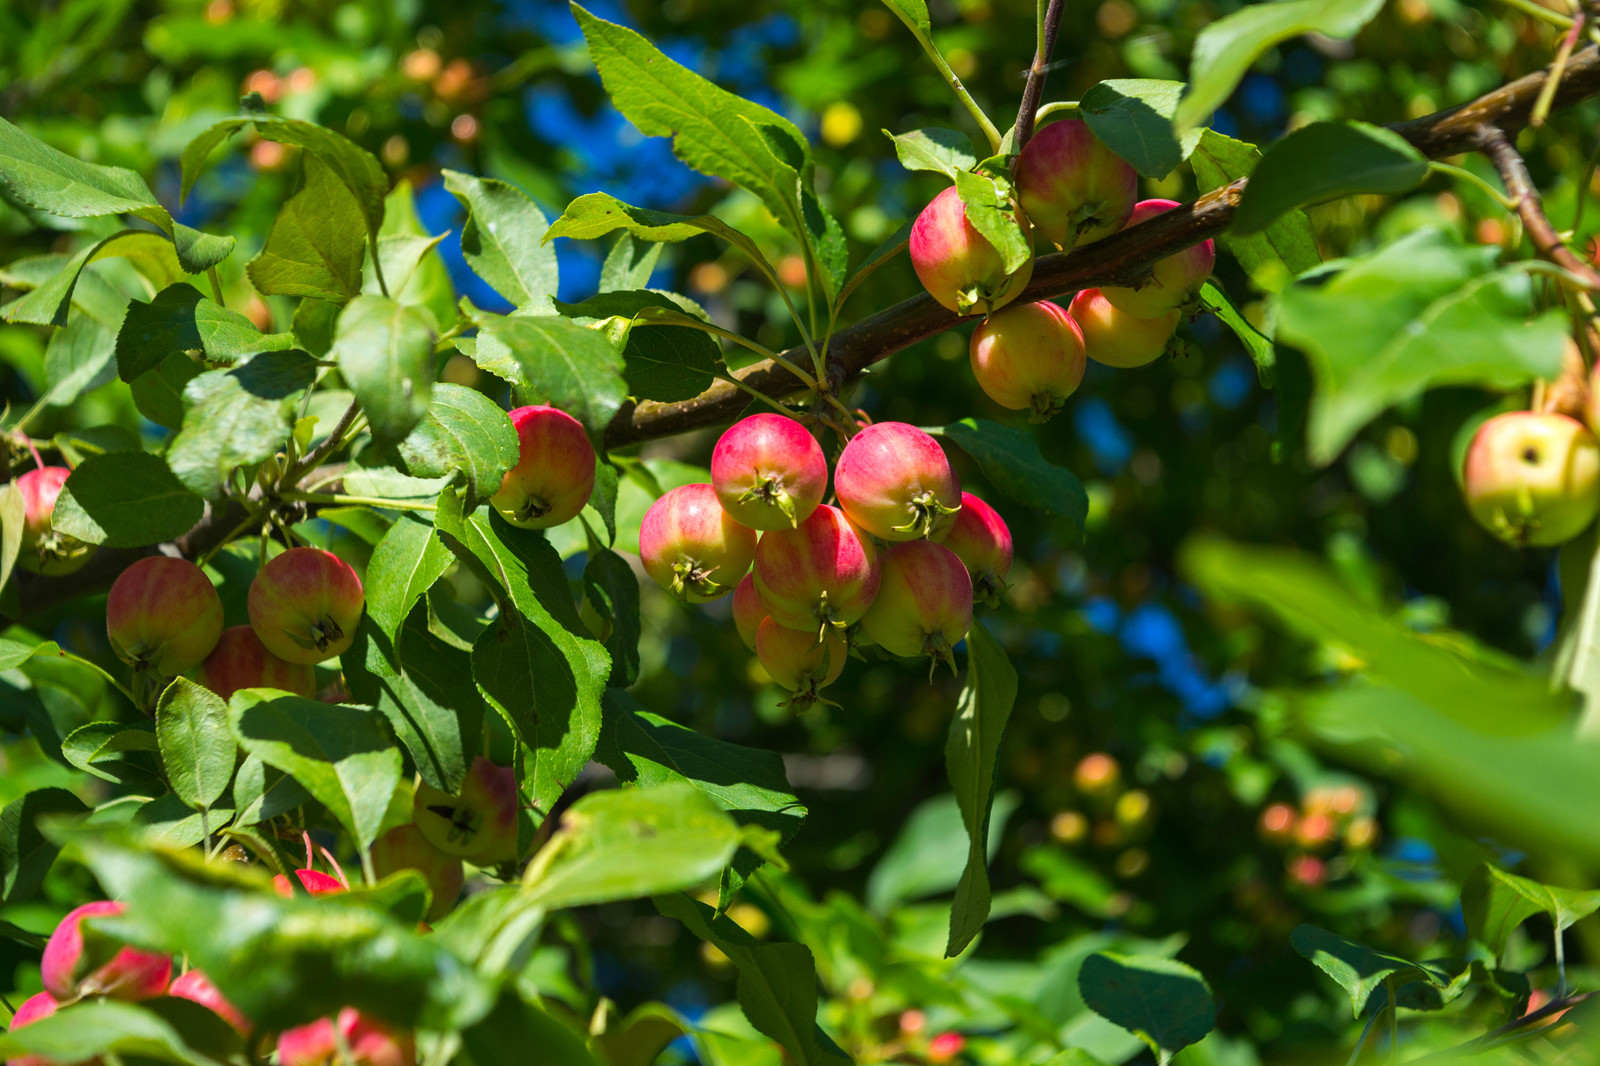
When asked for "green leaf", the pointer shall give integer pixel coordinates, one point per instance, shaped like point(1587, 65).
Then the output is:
point(934, 149)
point(641, 1037)
point(992, 214)
point(316, 243)
point(181, 321)
point(1227, 48)
point(125, 500)
point(343, 756)
point(91, 293)
point(1326, 161)
point(1285, 248)
point(515, 1026)
point(78, 359)
point(96, 1028)
point(197, 748)
point(357, 169)
point(168, 822)
point(1010, 459)
point(719, 134)
point(261, 792)
point(47, 304)
point(612, 590)
point(413, 269)
point(626, 844)
point(970, 753)
point(1495, 902)
point(39, 176)
point(649, 750)
point(501, 239)
point(1161, 1001)
point(777, 982)
point(26, 854)
point(662, 361)
point(427, 695)
point(1133, 118)
point(237, 417)
point(929, 855)
point(158, 392)
point(123, 755)
point(1258, 344)
point(285, 961)
point(1358, 968)
point(1422, 312)
point(404, 565)
point(628, 266)
point(13, 514)
point(553, 360)
point(385, 352)
point(14, 653)
point(465, 434)
point(536, 662)
point(1307, 596)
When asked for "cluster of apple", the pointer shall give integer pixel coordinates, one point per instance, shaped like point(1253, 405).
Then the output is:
point(809, 579)
point(1533, 477)
point(1071, 189)
point(164, 619)
point(82, 962)
point(480, 825)
point(1328, 820)
point(1110, 816)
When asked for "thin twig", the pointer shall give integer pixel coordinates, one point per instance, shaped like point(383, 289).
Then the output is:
point(1513, 171)
point(988, 127)
point(1033, 92)
point(329, 445)
point(1569, 41)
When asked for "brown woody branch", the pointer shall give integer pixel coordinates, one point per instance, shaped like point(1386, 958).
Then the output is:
point(1033, 92)
point(1513, 171)
point(1119, 259)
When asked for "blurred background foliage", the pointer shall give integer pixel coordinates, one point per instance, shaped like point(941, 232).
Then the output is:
point(1155, 797)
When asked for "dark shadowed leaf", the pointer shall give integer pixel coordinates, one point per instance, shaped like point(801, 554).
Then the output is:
point(1325, 161)
point(25, 853)
point(1133, 117)
point(969, 757)
point(125, 500)
point(237, 417)
point(1161, 1001)
point(1010, 459)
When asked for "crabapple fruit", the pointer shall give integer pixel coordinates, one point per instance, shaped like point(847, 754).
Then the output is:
point(982, 541)
point(79, 962)
point(1174, 281)
point(1115, 338)
point(693, 548)
point(798, 660)
point(1533, 479)
point(894, 481)
point(478, 824)
point(33, 1009)
point(748, 610)
point(304, 605)
point(554, 474)
point(768, 472)
point(957, 264)
point(405, 847)
point(1073, 188)
point(240, 660)
point(163, 616)
point(315, 882)
point(197, 987)
point(1029, 357)
point(924, 605)
point(44, 551)
point(824, 572)
point(368, 1042)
